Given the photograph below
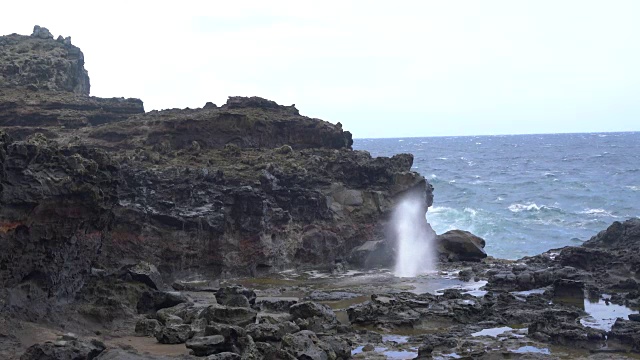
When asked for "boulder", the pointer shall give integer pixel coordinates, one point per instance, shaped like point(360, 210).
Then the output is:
point(148, 274)
point(175, 334)
point(228, 331)
point(310, 309)
point(229, 295)
point(271, 332)
point(209, 345)
point(461, 245)
point(147, 327)
point(152, 301)
point(238, 316)
point(64, 350)
point(306, 345)
point(41, 32)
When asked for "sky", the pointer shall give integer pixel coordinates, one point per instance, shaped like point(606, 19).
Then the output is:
point(381, 68)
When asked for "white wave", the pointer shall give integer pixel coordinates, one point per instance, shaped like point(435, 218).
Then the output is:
point(438, 209)
point(478, 143)
point(633, 188)
point(442, 158)
point(452, 182)
point(400, 140)
point(516, 208)
point(433, 176)
point(470, 211)
point(597, 212)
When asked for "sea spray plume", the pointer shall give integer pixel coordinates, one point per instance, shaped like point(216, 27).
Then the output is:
point(414, 237)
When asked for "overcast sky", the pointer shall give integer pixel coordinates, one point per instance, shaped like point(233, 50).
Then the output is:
point(382, 68)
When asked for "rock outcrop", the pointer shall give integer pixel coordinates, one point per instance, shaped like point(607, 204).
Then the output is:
point(40, 62)
point(244, 188)
point(56, 114)
point(55, 205)
point(461, 245)
point(242, 122)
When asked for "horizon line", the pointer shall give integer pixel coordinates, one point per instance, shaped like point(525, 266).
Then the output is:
point(434, 136)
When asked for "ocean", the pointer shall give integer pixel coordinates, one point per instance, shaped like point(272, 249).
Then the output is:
point(525, 194)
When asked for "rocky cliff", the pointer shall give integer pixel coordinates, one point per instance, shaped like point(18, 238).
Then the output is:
point(244, 188)
point(40, 62)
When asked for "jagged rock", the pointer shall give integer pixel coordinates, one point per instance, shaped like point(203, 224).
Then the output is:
point(41, 32)
point(224, 356)
point(618, 234)
point(148, 274)
point(461, 245)
point(560, 327)
point(152, 301)
point(275, 304)
point(627, 332)
point(228, 296)
point(64, 350)
point(340, 346)
point(238, 316)
point(306, 345)
point(147, 327)
point(40, 60)
point(121, 354)
point(271, 332)
point(270, 352)
point(209, 105)
point(174, 334)
point(208, 345)
point(228, 331)
point(309, 309)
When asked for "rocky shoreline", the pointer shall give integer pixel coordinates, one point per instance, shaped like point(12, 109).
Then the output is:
point(249, 231)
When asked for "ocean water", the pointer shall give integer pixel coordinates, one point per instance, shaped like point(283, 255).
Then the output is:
point(525, 194)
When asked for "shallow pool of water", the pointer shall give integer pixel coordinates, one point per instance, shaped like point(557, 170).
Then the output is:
point(603, 315)
point(493, 332)
point(532, 350)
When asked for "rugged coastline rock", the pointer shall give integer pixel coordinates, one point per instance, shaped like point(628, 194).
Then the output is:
point(246, 188)
point(40, 62)
point(102, 206)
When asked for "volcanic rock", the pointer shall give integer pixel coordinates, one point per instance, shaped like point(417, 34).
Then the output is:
point(461, 245)
point(64, 350)
point(174, 334)
point(40, 60)
point(306, 345)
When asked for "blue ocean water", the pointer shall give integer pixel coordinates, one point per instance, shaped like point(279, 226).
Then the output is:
point(525, 194)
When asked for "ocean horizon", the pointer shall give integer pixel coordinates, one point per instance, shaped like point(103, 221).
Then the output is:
point(525, 194)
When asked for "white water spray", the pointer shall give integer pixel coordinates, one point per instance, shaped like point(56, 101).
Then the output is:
point(415, 238)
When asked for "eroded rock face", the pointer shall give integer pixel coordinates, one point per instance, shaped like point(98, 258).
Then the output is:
point(245, 188)
point(43, 63)
point(55, 204)
point(56, 114)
